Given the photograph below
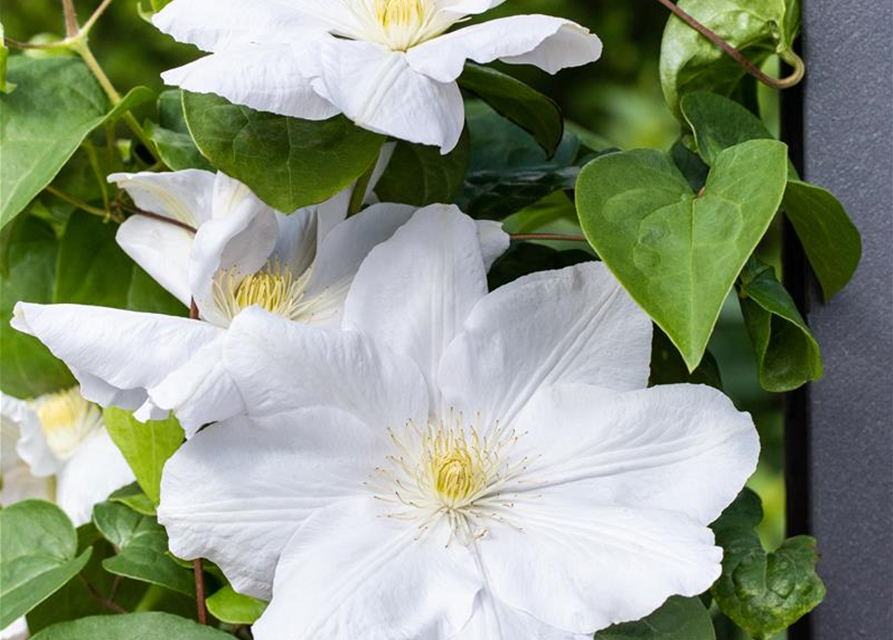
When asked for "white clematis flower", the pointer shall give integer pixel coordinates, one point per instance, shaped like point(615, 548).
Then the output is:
point(460, 464)
point(244, 254)
point(388, 65)
point(56, 448)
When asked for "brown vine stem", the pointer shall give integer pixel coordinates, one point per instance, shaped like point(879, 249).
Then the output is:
point(108, 604)
point(159, 218)
point(199, 579)
point(548, 236)
point(788, 56)
point(96, 211)
point(71, 19)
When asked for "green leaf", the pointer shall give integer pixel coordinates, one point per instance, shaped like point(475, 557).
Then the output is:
point(132, 626)
point(171, 135)
point(678, 619)
point(676, 253)
point(690, 165)
point(787, 355)
point(537, 114)
point(831, 241)
point(668, 367)
point(419, 175)
point(146, 447)
point(719, 123)
point(508, 170)
point(30, 251)
point(763, 593)
point(42, 123)
point(39, 547)
point(525, 258)
point(234, 608)
point(132, 99)
point(289, 163)
point(135, 498)
point(690, 62)
point(5, 86)
point(142, 548)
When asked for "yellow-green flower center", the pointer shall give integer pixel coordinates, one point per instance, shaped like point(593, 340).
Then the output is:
point(66, 420)
point(274, 288)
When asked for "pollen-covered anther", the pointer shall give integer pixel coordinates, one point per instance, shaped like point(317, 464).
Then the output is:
point(401, 13)
point(274, 288)
point(66, 420)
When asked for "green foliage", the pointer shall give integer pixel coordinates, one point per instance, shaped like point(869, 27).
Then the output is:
point(787, 355)
point(757, 28)
point(150, 625)
point(135, 498)
point(39, 556)
point(56, 104)
point(141, 545)
point(234, 608)
point(146, 447)
point(668, 367)
point(676, 252)
point(522, 259)
point(763, 593)
point(678, 619)
point(171, 135)
point(719, 123)
point(537, 114)
point(280, 157)
point(5, 86)
point(419, 175)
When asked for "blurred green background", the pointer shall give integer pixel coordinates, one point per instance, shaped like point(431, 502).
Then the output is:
point(618, 98)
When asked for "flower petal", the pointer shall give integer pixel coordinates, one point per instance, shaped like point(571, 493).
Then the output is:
point(377, 89)
point(581, 568)
point(237, 492)
point(31, 445)
point(349, 572)
point(494, 620)
point(184, 196)
point(414, 291)
point(116, 355)
point(547, 42)
point(494, 241)
point(282, 366)
point(676, 447)
point(572, 325)
point(96, 469)
point(162, 250)
point(264, 77)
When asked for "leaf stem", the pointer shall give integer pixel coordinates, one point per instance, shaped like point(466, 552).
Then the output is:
point(71, 18)
point(199, 577)
point(96, 211)
point(160, 218)
point(788, 56)
point(548, 236)
point(93, 18)
point(108, 604)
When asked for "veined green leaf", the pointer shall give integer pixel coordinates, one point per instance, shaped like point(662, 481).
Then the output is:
point(151, 626)
point(678, 619)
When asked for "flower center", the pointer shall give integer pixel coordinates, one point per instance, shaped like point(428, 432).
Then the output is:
point(402, 24)
point(274, 288)
point(400, 13)
point(448, 470)
point(66, 420)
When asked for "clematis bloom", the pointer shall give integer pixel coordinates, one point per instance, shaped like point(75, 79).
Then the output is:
point(458, 464)
point(389, 65)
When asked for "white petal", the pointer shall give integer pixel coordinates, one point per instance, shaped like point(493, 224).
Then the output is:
point(676, 447)
point(20, 484)
point(162, 250)
point(18, 630)
point(469, 7)
point(494, 241)
point(414, 291)
point(582, 568)
point(184, 196)
point(377, 89)
point(350, 572)
point(347, 245)
point(494, 620)
point(96, 469)
point(264, 77)
point(572, 325)
point(212, 25)
point(238, 491)
point(32, 446)
point(549, 43)
point(296, 245)
point(282, 366)
point(116, 355)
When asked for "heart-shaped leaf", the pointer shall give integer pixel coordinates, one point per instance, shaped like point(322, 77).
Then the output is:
point(678, 253)
point(171, 135)
point(758, 28)
point(534, 112)
point(289, 163)
point(678, 619)
point(763, 593)
point(787, 355)
point(39, 546)
point(142, 548)
point(719, 123)
point(143, 626)
point(234, 608)
point(146, 447)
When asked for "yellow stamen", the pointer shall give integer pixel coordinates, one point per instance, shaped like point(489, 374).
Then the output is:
point(66, 419)
point(274, 288)
point(402, 13)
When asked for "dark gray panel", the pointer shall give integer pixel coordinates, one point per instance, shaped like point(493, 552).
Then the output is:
point(847, 146)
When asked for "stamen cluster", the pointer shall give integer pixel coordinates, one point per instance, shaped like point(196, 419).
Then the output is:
point(274, 288)
point(66, 420)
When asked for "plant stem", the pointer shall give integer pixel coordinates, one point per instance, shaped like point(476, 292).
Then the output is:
point(108, 604)
point(548, 236)
point(96, 14)
point(199, 578)
point(788, 56)
point(96, 211)
point(71, 19)
point(160, 218)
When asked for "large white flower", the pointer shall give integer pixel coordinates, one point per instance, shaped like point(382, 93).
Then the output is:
point(56, 448)
point(388, 65)
point(459, 464)
point(244, 254)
